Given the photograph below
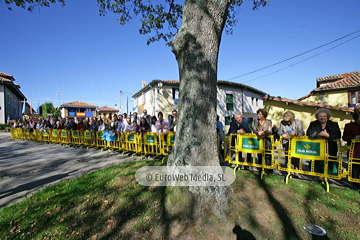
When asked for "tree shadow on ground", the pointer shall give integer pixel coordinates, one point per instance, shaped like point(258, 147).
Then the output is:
point(242, 234)
point(289, 230)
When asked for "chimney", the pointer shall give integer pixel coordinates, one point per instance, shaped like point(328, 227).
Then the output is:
point(143, 83)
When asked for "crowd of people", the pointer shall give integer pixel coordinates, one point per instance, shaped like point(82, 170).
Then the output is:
point(322, 127)
point(121, 122)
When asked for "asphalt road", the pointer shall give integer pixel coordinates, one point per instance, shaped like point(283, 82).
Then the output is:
point(27, 166)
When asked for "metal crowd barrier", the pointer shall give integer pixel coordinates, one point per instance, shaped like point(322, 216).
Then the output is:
point(239, 149)
point(316, 151)
point(249, 145)
point(353, 172)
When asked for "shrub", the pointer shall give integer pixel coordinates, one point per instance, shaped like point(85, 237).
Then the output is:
point(3, 126)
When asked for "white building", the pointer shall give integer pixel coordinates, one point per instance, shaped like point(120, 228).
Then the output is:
point(163, 96)
point(11, 98)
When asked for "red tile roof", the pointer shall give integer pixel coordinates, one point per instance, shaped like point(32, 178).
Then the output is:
point(4, 77)
point(8, 76)
point(311, 104)
point(107, 109)
point(351, 79)
point(77, 104)
point(345, 80)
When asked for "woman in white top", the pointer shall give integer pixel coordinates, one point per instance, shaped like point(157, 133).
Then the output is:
point(101, 125)
point(154, 129)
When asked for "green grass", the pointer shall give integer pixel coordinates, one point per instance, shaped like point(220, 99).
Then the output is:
point(109, 204)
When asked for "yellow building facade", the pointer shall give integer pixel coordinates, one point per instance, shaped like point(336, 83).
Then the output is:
point(304, 112)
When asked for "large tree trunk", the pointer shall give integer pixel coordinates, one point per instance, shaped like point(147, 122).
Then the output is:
point(196, 47)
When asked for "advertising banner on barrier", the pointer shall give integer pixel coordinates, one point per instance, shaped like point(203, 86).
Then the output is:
point(100, 135)
point(45, 133)
point(131, 138)
point(250, 144)
point(308, 148)
point(75, 133)
point(150, 139)
point(63, 133)
point(87, 134)
point(172, 139)
point(54, 133)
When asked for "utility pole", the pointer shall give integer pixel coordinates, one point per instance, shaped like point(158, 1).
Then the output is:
point(120, 102)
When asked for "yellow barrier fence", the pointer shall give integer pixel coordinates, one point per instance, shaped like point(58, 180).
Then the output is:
point(239, 149)
point(55, 137)
point(26, 134)
point(151, 144)
point(64, 137)
point(88, 139)
point(321, 164)
point(249, 150)
point(354, 161)
point(45, 135)
point(116, 144)
point(100, 141)
point(38, 135)
point(19, 133)
point(131, 143)
point(13, 133)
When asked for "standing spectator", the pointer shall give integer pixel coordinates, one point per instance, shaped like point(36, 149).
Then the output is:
point(146, 116)
point(8, 119)
point(101, 125)
point(352, 131)
point(86, 124)
point(288, 128)
point(174, 121)
point(263, 128)
point(80, 125)
point(92, 125)
point(220, 128)
point(128, 125)
point(136, 118)
point(39, 125)
point(52, 124)
point(107, 125)
point(134, 127)
point(114, 124)
point(161, 124)
point(239, 126)
point(58, 125)
point(153, 125)
point(121, 125)
point(324, 128)
point(125, 121)
point(144, 125)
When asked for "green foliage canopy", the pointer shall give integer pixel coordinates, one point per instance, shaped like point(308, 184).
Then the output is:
point(160, 19)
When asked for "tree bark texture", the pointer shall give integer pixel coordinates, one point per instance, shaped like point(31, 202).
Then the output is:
point(196, 47)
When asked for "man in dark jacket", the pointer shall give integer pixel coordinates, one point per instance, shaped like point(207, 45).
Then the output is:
point(239, 125)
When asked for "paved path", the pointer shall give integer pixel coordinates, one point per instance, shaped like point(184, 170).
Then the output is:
point(27, 166)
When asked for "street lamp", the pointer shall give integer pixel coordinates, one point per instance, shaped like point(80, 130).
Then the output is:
point(159, 86)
